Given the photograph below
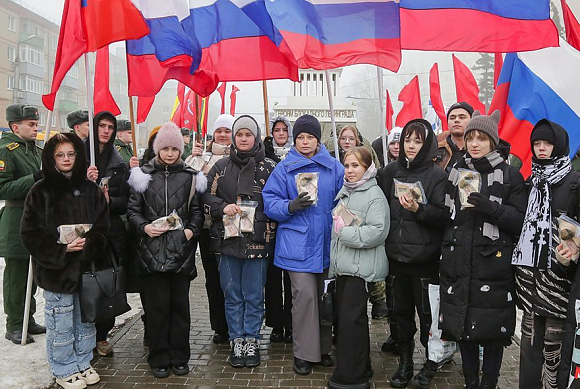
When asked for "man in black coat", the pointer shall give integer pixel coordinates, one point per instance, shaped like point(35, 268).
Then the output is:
point(111, 173)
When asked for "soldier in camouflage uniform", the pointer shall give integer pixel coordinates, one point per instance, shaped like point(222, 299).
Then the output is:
point(78, 122)
point(19, 170)
point(124, 140)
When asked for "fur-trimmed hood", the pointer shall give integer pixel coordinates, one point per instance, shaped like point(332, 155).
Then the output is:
point(52, 176)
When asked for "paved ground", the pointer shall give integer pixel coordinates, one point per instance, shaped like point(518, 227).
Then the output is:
point(209, 367)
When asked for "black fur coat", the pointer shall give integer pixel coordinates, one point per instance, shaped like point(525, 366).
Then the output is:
point(56, 200)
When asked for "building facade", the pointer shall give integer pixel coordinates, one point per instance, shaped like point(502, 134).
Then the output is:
point(28, 43)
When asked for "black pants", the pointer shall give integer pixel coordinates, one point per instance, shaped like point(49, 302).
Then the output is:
point(353, 346)
point(492, 357)
point(166, 301)
point(540, 351)
point(278, 302)
point(405, 294)
point(215, 295)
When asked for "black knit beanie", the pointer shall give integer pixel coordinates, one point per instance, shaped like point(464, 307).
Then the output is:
point(553, 133)
point(463, 105)
point(308, 124)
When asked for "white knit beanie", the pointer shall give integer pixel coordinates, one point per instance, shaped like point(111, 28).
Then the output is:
point(169, 135)
point(225, 120)
point(394, 135)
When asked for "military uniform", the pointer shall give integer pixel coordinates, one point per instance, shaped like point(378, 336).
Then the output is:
point(19, 169)
point(124, 149)
point(187, 148)
point(76, 117)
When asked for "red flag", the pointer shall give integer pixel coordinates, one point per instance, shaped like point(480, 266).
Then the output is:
point(204, 116)
point(497, 65)
point(389, 119)
point(435, 95)
point(466, 86)
point(235, 90)
point(103, 99)
point(572, 26)
point(144, 105)
point(72, 38)
point(177, 116)
point(107, 21)
point(411, 98)
point(188, 110)
point(222, 92)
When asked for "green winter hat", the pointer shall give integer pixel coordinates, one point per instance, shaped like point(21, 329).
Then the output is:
point(20, 112)
point(77, 117)
point(123, 125)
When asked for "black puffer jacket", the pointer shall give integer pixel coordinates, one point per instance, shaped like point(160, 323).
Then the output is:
point(476, 275)
point(222, 190)
point(57, 200)
point(112, 166)
point(415, 237)
point(169, 189)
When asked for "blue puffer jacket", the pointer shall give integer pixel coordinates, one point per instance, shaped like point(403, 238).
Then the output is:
point(303, 238)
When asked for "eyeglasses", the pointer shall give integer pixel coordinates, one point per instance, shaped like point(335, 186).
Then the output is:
point(69, 155)
point(349, 140)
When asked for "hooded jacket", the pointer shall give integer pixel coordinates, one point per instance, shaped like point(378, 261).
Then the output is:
point(157, 190)
point(303, 238)
point(476, 275)
point(57, 200)
point(362, 142)
point(415, 237)
point(274, 151)
point(112, 166)
point(545, 293)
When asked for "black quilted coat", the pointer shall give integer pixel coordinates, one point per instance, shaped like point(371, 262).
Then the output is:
point(168, 190)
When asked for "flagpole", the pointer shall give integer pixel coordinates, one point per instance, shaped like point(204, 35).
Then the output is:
point(266, 110)
point(133, 126)
point(383, 119)
point(332, 120)
point(90, 103)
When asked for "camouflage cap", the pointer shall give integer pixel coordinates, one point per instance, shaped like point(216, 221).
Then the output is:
point(123, 125)
point(77, 117)
point(19, 112)
point(185, 131)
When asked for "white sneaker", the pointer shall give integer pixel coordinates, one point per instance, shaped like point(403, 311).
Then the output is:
point(74, 381)
point(90, 376)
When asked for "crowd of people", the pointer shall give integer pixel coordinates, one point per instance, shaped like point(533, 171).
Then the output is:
point(288, 232)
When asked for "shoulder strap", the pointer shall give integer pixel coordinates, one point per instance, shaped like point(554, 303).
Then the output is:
point(574, 201)
point(192, 190)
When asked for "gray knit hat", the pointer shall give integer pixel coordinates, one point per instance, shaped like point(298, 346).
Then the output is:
point(486, 124)
point(247, 122)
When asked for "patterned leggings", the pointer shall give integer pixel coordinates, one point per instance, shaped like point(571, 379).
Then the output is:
point(540, 351)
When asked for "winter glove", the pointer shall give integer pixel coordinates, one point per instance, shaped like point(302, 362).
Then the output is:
point(300, 203)
point(37, 175)
point(338, 223)
point(482, 204)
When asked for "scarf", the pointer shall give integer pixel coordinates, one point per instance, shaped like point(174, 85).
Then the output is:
point(247, 162)
point(281, 151)
point(484, 165)
point(218, 149)
point(370, 173)
point(534, 249)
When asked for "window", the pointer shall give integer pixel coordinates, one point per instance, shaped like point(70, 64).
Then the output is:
point(11, 23)
point(63, 123)
point(10, 82)
point(74, 71)
point(31, 55)
point(42, 120)
point(53, 121)
point(31, 84)
point(11, 54)
point(165, 109)
point(53, 42)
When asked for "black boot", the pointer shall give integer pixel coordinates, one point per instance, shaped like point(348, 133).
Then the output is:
point(424, 377)
point(488, 382)
point(405, 371)
point(471, 381)
point(390, 345)
point(380, 310)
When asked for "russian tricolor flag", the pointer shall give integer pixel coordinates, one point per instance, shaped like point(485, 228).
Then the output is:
point(495, 26)
point(325, 34)
point(536, 85)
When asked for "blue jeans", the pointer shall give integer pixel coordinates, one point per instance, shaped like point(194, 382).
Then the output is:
point(69, 342)
point(243, 281)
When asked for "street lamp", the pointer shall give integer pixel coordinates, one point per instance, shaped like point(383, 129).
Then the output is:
point(16, 86)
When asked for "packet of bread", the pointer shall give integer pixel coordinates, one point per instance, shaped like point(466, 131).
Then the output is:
point(414, 188)
point(469, 182)
point(69, 232)
point(308, 182)
point(170, 222)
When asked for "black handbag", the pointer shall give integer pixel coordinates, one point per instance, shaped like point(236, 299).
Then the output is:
point(102, 293)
